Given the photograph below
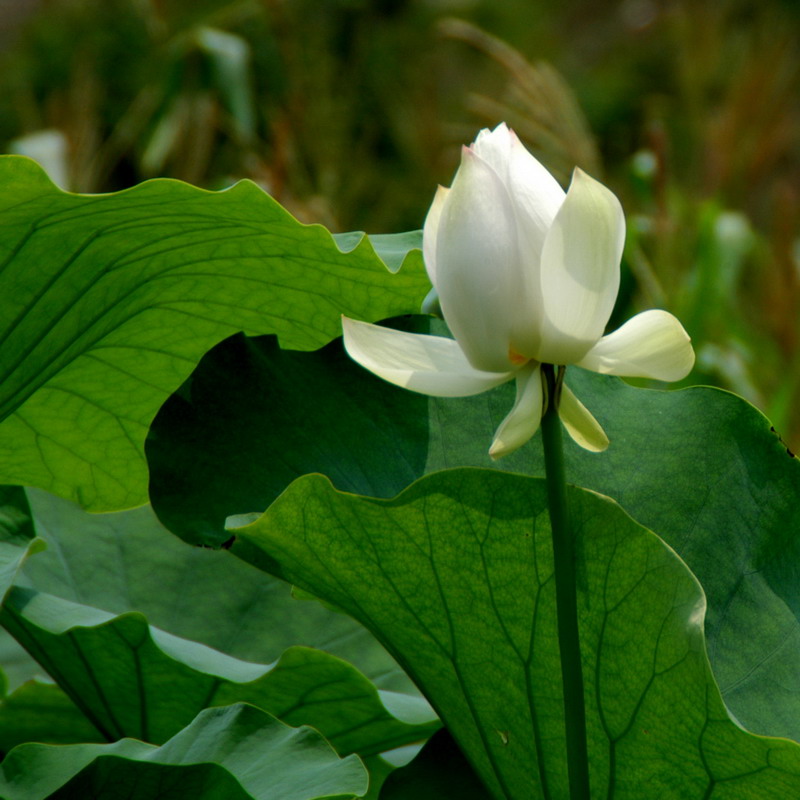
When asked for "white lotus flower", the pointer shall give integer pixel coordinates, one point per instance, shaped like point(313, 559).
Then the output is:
point(526, 275)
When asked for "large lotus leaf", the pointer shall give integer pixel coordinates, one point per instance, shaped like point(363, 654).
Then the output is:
point(16, 543)
point(232, 753)
point(17, 540)
point(17, 665)
point(39, 711)
point(253, 417)
point(109, 301)
point(126, 561)
point(132, 680)
point(455, 576)
point(700, 467)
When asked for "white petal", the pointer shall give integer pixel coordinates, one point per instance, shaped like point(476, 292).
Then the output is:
point(524, 418)
point(535, 192)
point(429, 231)
point(652, 344)
point(477, 264)
point(536, 198)
point(580, 270)
point(494, 147)
point(432, 365)
point(580, 424)
point(531, 186)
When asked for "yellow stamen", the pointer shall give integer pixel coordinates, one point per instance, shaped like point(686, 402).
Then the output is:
point(515, 358)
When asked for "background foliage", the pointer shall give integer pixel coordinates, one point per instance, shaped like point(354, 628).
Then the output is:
point(349, 111)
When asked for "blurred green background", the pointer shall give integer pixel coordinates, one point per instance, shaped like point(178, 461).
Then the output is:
point(350, 112)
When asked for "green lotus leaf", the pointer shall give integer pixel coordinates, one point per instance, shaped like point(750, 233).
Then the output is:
point(700, 467)
point(455, 577)
point(17, 537)
point(213, 758)
point(110, 301)
point(130, 678)
point(127, 561)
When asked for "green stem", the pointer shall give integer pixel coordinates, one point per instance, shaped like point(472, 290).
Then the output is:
point(566, 594)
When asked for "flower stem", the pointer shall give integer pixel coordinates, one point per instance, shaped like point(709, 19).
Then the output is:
point(566, 593)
